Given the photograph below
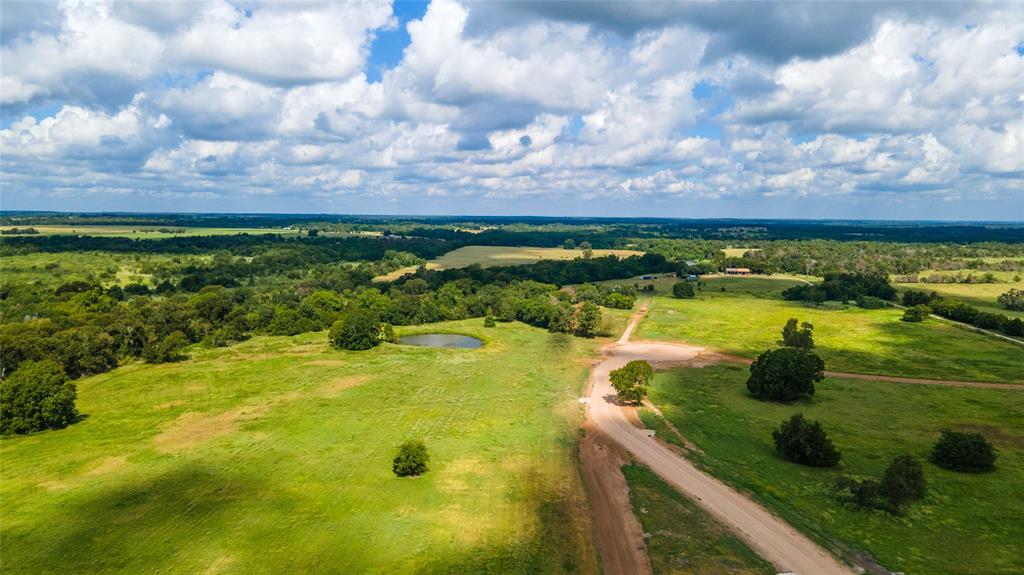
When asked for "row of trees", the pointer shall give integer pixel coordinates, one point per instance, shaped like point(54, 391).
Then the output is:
point(921, 304)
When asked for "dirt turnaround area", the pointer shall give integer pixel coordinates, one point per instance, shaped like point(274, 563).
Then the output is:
point(769, 536)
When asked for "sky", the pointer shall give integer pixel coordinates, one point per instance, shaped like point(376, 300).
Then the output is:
point(866, 110)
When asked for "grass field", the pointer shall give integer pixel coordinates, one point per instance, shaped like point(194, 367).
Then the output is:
point(54, 269)
point(274, 455)
point(981, 296)
point(967, 523)
point(148, 232)
point(853, 339)
point(488, 256)
point(737, 252)
point(681, 537)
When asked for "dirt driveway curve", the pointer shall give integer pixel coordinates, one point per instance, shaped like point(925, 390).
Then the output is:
point(771, 537)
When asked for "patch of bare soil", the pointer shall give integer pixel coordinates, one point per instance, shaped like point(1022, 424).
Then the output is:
point(107, 465)
point(191, 429)
point(336, 386)
point(619, 535)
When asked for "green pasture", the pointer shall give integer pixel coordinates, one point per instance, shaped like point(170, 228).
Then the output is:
point(851, 339)
point(148, 232)
point(981, 296)
point(274, 455)
point(682, 537)
point(106, 268)
point(967, 523)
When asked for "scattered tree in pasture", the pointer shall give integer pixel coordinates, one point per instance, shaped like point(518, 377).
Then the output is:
point(569, 244)
point(963, 451)
point(785, 374)
point(683, 290)
point(631, 380)
point(359, 329)
point(588, 319)
point(588, 251)
point(801, 337)
point(35, 397)
point(802, 441)
point(411, 460)
point(903, 481)
point(916, 314)
point(1013, 299)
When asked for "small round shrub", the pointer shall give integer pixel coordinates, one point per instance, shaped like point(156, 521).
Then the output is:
point(802, 441)
point(411, 460)
point(961, 451)
point(683, 290)
point(916, 313)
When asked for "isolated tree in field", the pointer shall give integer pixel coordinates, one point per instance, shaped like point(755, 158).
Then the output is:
point(35, 397)
point(569, 244)
point(801, 337)
point(802, 441)
point(961, 451)
point(588, 251)
point(489, 319)
point(359, 329)
point(631, 380)
point(683, 290)
point(785, 374)
point(588, 319)
point(916, 314)
point(1013, 299)
point(411, 460)
point(903, 481)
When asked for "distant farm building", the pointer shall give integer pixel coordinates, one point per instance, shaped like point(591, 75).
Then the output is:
point(737, 271)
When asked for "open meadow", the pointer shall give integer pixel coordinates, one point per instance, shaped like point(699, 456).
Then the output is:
point(967, 523)
point(871, 341)
point(981, 296)
point(274, 455)
point(490, 256)
point(146, 232)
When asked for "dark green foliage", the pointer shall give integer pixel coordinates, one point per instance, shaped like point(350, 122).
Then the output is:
point(411, 460)
point(166, 349)
point(863, 494)
point(805, 442)
point(871, 302)
point(801, 337)
point(843, 287)
point(587, 320)
point(912, 298)
point(683, 290)
point(84, 350)
point(37, 396)
point(962, 451)
point(1013, 299)
point(569, 244)
point(1014, 327)
point(903, 481)
point(489, 320)
point(986, 320)
point(631, 380)
point(359, 329)
point(785, 374)
point(917, 313)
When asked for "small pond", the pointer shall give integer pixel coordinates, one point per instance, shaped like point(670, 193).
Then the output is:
point(441, 340)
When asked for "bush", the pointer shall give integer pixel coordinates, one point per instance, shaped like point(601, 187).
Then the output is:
point(488, 320)
point(587, 320)
point(359, 330)
point(411, 460)
point(630, 381)
point(960, 451)
point(805, 442)
point(799, 337)
point(903, 481)
point(683, 290)
point(785, 374)
point(871, 302)
point(916, 314)
point(986, 320)
point(1013, 299)
point(35, 397)
point(1014, 327)
point(166, 350)
point(912, 298)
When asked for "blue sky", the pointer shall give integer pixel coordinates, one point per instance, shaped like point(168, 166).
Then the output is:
point(802, 110)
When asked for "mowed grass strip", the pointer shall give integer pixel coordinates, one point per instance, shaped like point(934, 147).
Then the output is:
point(681, 537)
point(490, 256)
point(967, 523)
point(274, 456)
point(852, 340)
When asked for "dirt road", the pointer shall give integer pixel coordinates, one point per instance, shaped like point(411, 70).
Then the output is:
point(771, 537)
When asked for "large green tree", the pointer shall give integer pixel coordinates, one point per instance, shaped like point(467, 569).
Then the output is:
point(801, 336)
point(411, 460)
point(803, 441)
point(358, 329)
point(631, 380)
point(37, 396)
point(588, 319)
point(785, 374)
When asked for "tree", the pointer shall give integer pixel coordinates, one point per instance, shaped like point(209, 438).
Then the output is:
point(630, 381)
point(569, 244)
point(1013, 299)
point(961, 451)
point(588, 319)
point(785, 374)
point(411, 460)
point(35, 397)
point(683, 290)
point(588, 251)
point(903, 481)
point(488, 320)
point(799, 337)
point(802, 441)
point(359, 329)
point(917, 313)
point(167, 349)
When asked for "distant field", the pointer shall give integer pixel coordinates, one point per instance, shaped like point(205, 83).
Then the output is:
point(737, 252)
point(853, 339)
point(760, 286)
point(489, 256)
point(682, 537)
point(274, 455)
point(147, 232)
point(981, 296)
point(967, 523)
point(54, 269)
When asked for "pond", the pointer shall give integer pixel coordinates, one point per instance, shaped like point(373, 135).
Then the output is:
point(441, 340)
